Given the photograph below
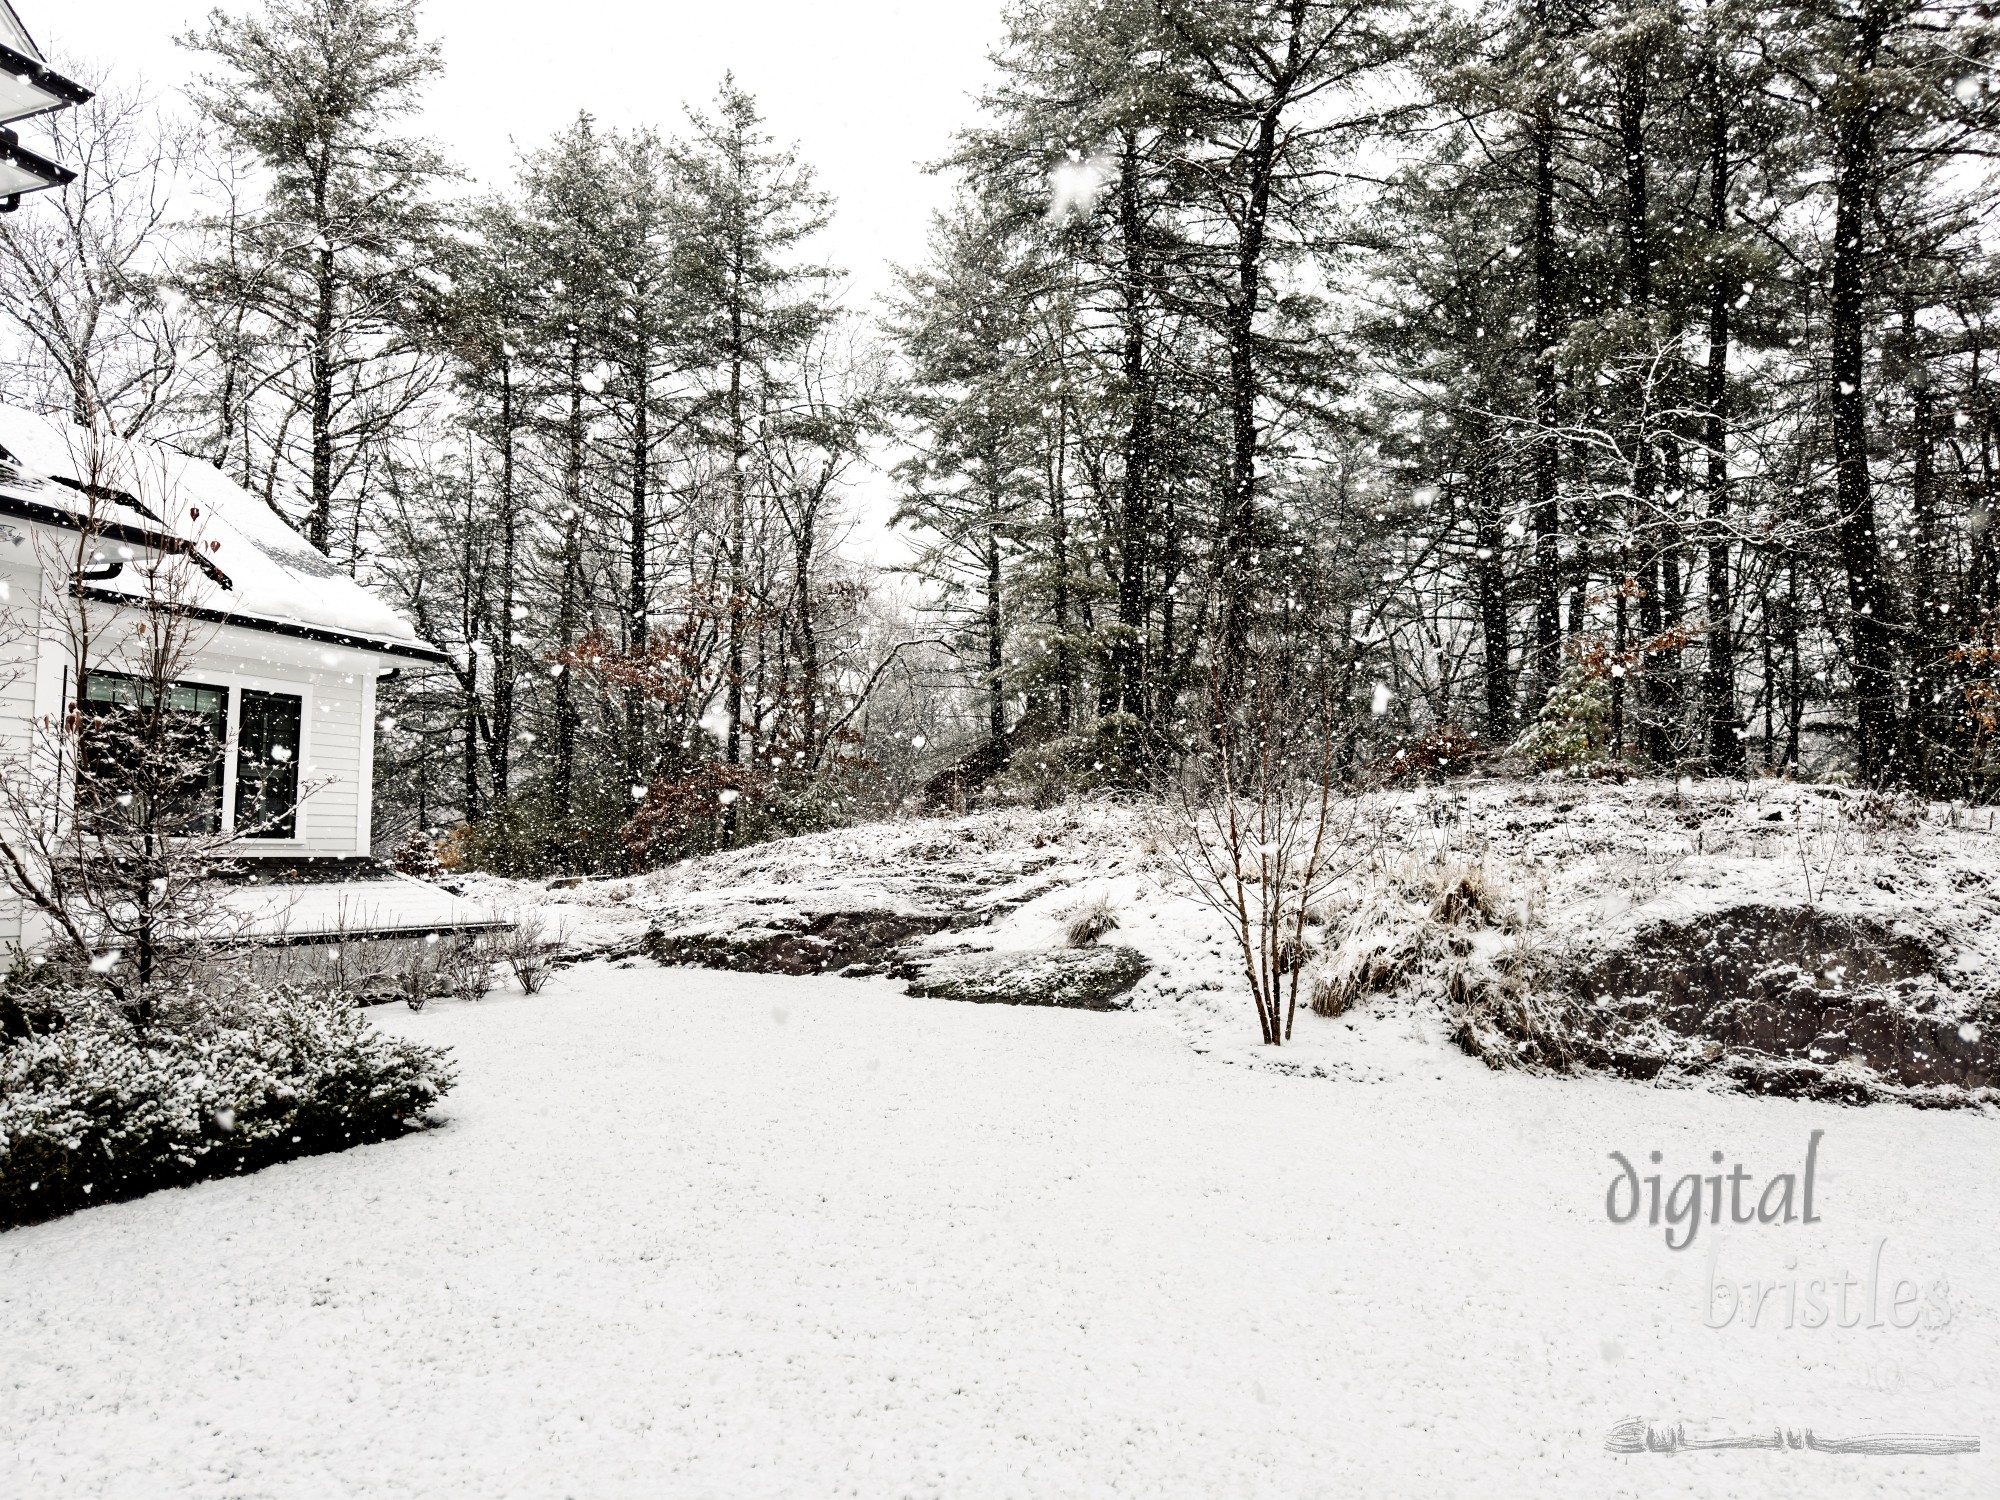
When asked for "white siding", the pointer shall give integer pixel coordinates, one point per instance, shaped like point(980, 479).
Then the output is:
point(19, 618)
point(364, 812)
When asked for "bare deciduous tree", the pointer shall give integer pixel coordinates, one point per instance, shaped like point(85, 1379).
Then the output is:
point(97, 335)
point(1262, 831)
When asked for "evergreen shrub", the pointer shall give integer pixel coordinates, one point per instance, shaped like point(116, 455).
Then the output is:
point(94, 1107)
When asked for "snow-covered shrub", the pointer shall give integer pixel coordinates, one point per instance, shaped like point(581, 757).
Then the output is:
point(365, 969)
point(468, 966)
point(94, 1108)
point(516, 838)
point(1043, 773)
point(1475, 954)
point(1440, 751)
point(1328, 992)
point(1881, 811)
point(1508, 1018)
point(459, 965)
point(1377, 946)
point(715, 805)
point(1446, 926)
point(422, 856)
point(521, 837)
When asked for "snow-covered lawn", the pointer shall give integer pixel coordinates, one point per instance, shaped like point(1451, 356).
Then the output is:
point(698, 1234)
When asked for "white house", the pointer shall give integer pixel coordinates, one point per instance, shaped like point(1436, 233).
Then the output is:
point(288, 648)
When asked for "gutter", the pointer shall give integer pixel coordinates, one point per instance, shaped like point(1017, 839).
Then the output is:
point(68, 93)
point(117, 531)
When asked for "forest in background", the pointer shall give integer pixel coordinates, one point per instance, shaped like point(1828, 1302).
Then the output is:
point(1600, 385)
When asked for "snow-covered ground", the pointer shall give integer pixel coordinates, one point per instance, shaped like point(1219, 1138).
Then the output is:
point(689, 1233)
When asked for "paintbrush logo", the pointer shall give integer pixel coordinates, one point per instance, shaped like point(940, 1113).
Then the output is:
point(1637, 1435)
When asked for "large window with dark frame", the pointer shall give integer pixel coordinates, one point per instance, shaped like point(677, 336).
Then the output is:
point(155, 768)
point(132, 758)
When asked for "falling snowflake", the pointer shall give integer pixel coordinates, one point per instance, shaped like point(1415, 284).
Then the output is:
point(1074, 187)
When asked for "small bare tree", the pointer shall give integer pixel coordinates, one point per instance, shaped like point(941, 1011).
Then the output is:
point(1262, 832)
point(111, 823)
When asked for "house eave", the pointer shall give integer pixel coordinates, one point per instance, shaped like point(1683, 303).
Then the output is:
point(292, 629)
point(24, 509)
point(159, 540)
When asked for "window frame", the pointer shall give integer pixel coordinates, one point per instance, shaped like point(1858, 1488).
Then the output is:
point(297, 812)
point(233, 685)
point(225, 745)
point(290, 688)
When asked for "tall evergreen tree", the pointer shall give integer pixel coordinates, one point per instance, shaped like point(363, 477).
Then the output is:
point(311, 92)
point(751, 207)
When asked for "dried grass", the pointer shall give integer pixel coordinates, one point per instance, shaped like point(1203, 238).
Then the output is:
point(1448, 925)
point(1086, 923)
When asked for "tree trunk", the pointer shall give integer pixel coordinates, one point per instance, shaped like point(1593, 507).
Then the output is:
point(1059, 544)
point(1634, 95)
point(470, 632)
point(1546, 570)
point(469, 807)
point(501, 750)
point(1135, 517)
point(1795, 703)
point(638, 589)
point(1855, 181)
point(1929, 639)
point(996, 692)
point(738, 540)
point(1725, 738)
point(569, 603)
point(320, 522)
point(1239, 507)
point(1490, 573)
point(802, 587)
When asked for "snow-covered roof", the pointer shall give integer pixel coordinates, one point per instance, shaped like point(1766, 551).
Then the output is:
point(255, 571)
point(351, 909)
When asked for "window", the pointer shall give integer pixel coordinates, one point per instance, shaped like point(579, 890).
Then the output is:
point(162, 770)
point(267, 764)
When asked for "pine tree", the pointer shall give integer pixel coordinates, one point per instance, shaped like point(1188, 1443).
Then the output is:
point(962, 328)
point(751, 206)
point(310, 91)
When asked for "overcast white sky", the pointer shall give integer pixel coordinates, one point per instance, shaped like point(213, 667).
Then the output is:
point(868, 88)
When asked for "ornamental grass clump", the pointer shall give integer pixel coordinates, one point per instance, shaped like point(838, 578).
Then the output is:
point(94, 1107)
